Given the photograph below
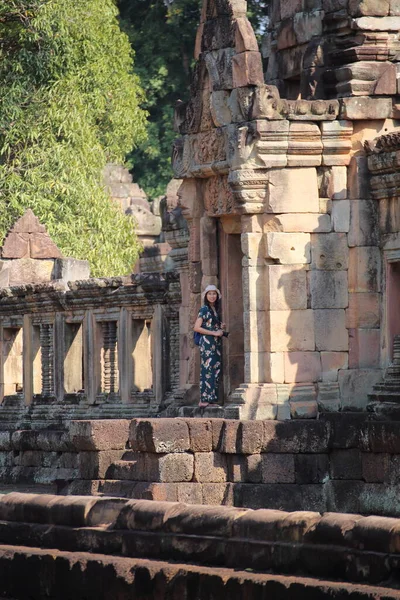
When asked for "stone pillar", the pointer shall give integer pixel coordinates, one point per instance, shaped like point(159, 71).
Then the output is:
point(125, 354)
point(91, 358)
point(159, 353)
point(59, 356)
point(28, 359)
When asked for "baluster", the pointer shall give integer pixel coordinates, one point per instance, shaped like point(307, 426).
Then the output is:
point(110, 357)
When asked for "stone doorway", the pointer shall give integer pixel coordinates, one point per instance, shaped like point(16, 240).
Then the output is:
point(230, 280)
point(392, 303)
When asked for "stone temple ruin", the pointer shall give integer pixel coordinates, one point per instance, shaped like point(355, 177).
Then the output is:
point(113, 483)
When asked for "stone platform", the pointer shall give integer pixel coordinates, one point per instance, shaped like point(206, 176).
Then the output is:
point(87, 548)
point(344, 463)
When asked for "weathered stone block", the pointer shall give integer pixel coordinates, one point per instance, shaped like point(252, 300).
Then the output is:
point(355, 385)
point(307, 25)
point(159, 435)
point(132, 467)
point(302, 367)
point(190, 493)
point(229, 437)
point(218, 494)
point(375, 467)
point(104, 434)
point(288, 248)
point(295, 437)
point(364, 348)
point(285, 35)
point(363, 310)
point(341, 215)
point(334, 183)
point(237, 467)
point(358, 178)
point(254, 288)
point(305, 146)
point(210, 467)
point(298, 223)
point(325, 206)
point(334, 5)
point(29, 270)
point(247, 69)
point(364, 269)
point(377, 24)
point(373, 8)
point(332, 362)
point(293, 190)
point(217, 427)
point(250, 437)
point(256, 333)
point(220, 111)
point(253, 468)
point(252, 245)
point(365, 108)
point(70, 269)
point(244, 36)
point(5, 440)
point(289, 8)
point(311, 468)
point(219, 67)
point(303, 409)
point(346, 464)
point(330, 330)
point(328, 398)
point(277, 468)
point(329, 289)
point(336, 140)
point(169, 468)
point(287, 287)
point(363, 223)
point(94, 465)
point(394, 8)
point(329, 251)
point(200, 433)
point(292, 330)
point(208, 248)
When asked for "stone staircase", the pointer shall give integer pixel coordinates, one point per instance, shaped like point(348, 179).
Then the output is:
point(90, 548)
point(384, 399)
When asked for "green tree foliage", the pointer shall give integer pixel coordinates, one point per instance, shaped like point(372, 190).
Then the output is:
point(69, 103)
point(163, 39)
point(162, 33)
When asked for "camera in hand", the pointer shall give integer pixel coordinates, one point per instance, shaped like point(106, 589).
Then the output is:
point(225, 334)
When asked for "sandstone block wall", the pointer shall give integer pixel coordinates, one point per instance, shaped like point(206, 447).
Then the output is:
point(336, 464)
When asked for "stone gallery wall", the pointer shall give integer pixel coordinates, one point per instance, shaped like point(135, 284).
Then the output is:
point(278, 201)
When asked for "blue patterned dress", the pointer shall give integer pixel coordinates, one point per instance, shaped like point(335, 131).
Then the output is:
point(210, 354)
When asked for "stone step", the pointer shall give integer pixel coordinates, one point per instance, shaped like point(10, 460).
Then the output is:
point(33, 573)
point(111, 541)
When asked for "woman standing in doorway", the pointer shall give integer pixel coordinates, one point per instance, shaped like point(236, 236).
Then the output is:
point(208, 324)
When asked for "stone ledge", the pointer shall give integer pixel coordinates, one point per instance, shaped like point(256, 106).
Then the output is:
point(38, 573)
point(331, 546)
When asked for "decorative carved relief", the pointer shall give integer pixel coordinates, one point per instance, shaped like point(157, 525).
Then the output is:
point(218, 196)
point(110, 357)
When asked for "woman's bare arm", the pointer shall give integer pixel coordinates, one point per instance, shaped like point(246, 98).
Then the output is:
point(197, 327)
